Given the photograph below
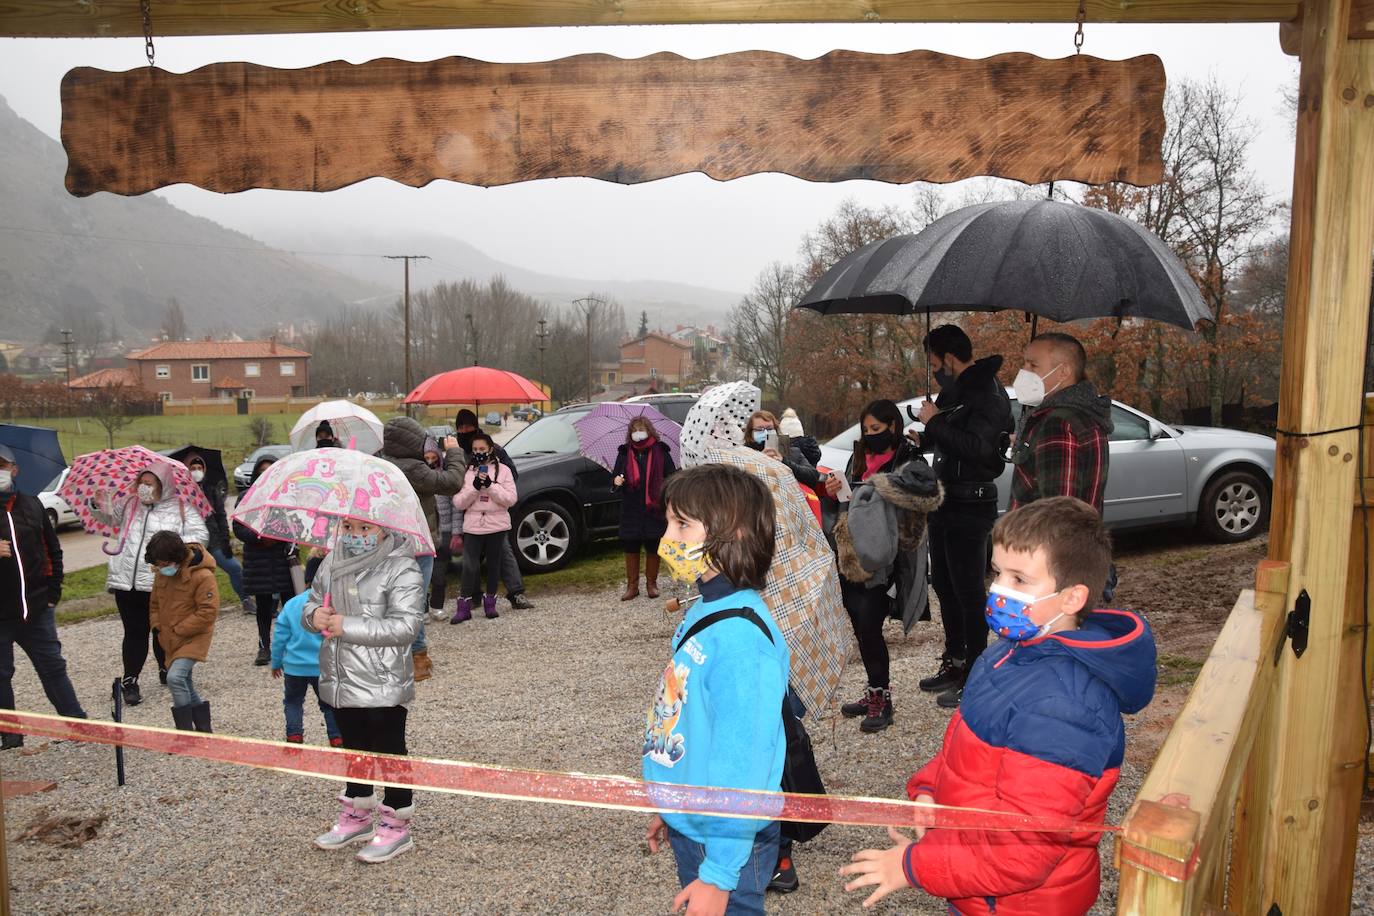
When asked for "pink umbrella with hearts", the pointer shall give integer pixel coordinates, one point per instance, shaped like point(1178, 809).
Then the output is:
point(305, 496)
point(99, 482)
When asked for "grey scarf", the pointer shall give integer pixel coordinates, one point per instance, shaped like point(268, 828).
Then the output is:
point(345, 569)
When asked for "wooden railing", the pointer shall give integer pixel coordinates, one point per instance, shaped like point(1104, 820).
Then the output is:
point(1175, 849)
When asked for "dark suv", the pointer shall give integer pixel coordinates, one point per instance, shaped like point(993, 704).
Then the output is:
point(565, 499)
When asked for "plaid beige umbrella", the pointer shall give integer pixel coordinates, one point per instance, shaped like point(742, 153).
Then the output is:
point(803, 586)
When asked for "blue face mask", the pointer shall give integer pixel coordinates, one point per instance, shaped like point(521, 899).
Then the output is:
point(169, 570)
point(356, 544)
point(761, 435)
point(1008, 613)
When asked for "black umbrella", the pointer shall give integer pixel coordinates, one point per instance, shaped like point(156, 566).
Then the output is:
point(1059, 260)
point(215, 478)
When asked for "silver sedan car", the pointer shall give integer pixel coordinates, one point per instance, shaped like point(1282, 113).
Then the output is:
point(1160, 474)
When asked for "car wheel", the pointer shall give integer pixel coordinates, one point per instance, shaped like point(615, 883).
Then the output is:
point(52, 518)
point(1234, 507)
point(544, 537)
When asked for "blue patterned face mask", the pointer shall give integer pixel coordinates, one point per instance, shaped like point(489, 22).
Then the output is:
point(1008, 613)
point(357, 544)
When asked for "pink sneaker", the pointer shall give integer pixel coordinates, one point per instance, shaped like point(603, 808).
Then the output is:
point(392, 838)
point(354, 824)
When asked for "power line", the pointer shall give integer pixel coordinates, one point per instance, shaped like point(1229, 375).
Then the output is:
point(171, 244)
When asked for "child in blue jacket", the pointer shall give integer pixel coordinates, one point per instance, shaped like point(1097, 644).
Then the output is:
point(716, 720)
point(296, 655)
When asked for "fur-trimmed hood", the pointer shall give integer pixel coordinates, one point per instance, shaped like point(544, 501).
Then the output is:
point(887, 515)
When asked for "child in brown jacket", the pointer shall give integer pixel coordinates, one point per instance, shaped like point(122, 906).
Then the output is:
point(182, 610)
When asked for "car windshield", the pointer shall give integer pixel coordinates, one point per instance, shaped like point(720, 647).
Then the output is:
point(56, 482)
point(552, 434)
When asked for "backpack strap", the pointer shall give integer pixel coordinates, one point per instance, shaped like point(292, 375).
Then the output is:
point(748, 614)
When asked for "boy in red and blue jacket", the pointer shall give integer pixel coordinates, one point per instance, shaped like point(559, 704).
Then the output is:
point(1039, 732)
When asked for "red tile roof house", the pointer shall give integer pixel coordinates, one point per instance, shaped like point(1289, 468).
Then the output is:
point(184, 369)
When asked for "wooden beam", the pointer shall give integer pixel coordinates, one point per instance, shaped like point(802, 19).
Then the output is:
point(1317, 735)
point(112, 18)
point(918, 116)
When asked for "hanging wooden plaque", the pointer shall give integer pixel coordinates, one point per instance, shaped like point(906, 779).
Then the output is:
point(918, 116)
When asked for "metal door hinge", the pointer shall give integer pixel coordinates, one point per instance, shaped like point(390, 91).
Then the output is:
point(1295, 627)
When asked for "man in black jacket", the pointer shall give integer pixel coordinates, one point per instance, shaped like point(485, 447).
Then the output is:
point(968, 426)
point(30, 587)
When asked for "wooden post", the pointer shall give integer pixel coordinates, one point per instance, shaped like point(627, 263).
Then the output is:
point(1307, 824)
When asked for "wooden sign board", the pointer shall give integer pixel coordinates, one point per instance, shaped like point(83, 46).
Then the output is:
point(918, 116)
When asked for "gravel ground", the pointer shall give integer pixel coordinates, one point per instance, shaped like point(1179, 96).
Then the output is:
point(564, 686)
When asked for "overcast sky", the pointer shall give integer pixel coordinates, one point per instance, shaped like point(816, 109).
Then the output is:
point(688, 228)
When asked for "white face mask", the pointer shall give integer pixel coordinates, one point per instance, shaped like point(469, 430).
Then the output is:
point(145, 492)
point(639, 435)
point(6, 479)
point(1030, 388)
point(197, 475)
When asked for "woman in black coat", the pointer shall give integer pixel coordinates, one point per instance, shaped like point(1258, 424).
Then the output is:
point(641, 466)
point(266, 574)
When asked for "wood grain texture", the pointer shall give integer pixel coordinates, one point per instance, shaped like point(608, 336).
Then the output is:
point(110, 18)
point(919, 116)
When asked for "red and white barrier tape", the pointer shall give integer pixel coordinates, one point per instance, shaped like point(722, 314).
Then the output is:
point(457, 777)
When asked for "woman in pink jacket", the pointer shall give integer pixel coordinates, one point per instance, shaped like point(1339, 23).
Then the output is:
point(485, 500)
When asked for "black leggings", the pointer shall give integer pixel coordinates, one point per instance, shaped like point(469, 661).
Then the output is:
point(867, 609)
point(381, 730)
point(474, 546)
point(267, 617)
point(133, 613)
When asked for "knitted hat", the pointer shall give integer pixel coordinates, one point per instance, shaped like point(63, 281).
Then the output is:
point(789, 425)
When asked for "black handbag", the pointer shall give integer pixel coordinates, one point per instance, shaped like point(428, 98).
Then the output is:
point(800, 774)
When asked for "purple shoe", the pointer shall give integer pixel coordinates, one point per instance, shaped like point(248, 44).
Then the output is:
point(489, 607)
point(464, 611)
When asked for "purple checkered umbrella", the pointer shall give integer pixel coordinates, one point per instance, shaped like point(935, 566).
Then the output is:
point(602, 431)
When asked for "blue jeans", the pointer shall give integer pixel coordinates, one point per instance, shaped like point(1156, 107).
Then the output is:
point(179, 682)
point(293, 703)
point(38, 638)
point(232, 568)
point(747, 897)
point(426, 572)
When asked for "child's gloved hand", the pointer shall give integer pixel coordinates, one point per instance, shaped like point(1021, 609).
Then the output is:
point(881, 867)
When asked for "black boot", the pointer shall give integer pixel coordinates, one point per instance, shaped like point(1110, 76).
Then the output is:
point(859, 707)
point(9, 741)
point(879, 711)
point(263, 657)
point(953, 672)
point(200, 716)
point(132, 695)
point(181, 715)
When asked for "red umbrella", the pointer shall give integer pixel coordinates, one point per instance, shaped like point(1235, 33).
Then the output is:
point(475, 384)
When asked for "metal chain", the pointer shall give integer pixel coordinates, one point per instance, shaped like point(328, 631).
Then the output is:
point(1078, 35)
point(146, 8)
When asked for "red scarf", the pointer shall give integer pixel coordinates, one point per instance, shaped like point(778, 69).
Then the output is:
point(653, 470)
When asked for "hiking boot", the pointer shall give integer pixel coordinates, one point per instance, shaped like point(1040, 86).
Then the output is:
point(953, 672)
point(879, 711)
point(181, 718)
point(489, 607)
point(520, 602)
point(785, 878)
point(463, 611)
point(132, 695)
point(200, 716)
point(392, 837)
point(263, 657)
point(423, 666)
point(354, 824)
point(860, 706)
point(951, 698)
point(9, 741)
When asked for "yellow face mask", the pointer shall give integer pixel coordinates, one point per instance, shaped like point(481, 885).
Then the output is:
point(686, 562)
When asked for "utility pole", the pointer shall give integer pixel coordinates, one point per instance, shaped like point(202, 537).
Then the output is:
point(407, 258)
point(590, 306)
point(543, 337)
point(472, 337)
point(67, 352)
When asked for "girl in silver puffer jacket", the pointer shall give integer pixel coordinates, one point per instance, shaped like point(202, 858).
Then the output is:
point(368, 599)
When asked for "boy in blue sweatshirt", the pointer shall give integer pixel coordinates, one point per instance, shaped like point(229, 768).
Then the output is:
point(716, 720)
point(296, 651)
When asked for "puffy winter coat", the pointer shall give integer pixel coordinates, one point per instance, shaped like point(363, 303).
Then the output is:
point(137, 523)
point(266, 563)
point(31, 577)
point(486, 511)
point(403, 444)
point(1038, 733)
point(369, 665)
point(443, 505)
point(183, 608)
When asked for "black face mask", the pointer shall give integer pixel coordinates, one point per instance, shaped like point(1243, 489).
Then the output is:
point(944, 377)
point(326, 443)
point(465, 440)
point(878, 442)
point(482, 458)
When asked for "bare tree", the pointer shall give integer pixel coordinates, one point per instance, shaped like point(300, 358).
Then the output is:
point(114, 407)
point(758, 327)
point(174, 321)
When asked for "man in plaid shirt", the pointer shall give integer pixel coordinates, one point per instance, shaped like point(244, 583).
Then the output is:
point(1061, 439)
